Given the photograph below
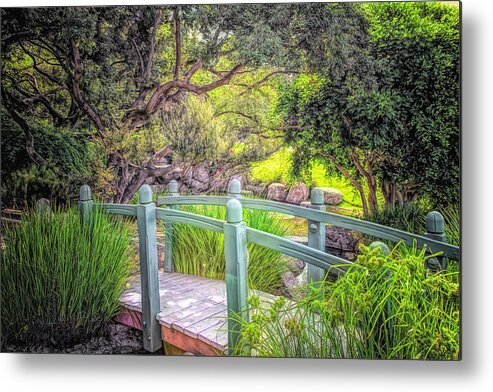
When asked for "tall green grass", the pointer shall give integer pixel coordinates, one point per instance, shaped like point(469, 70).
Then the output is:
point(384, 307)
point(201, 252)
point(411, 217)
point(61, 282)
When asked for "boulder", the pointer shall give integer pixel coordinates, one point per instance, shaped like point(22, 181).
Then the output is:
point(277, 192)
point(332, 196)
point(201, 173)
point(297, 194)
point(342, 239)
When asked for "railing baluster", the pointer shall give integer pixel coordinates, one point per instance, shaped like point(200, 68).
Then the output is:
point(146, 221)
point(236, 254)
point(435, 230)
point(168, 239)
point(86, 205)
point(316, 235)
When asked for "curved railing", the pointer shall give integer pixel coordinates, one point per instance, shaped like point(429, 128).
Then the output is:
point(236, 237)
point(435, 224)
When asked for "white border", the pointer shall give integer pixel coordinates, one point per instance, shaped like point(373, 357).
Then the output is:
point(473, 373)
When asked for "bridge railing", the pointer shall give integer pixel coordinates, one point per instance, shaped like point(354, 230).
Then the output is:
point(236, 237)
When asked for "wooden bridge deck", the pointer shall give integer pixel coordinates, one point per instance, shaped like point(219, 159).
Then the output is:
point(193, 314)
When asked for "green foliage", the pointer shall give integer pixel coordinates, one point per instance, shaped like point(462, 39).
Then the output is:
point(384, 307)
point(452, 224)
point(70, 160)
point(61, 282)
point(201, 252)
point(394, 107)
point(409, 217)
point(195, 134)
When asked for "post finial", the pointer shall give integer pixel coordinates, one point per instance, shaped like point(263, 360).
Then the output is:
point(435, 223)
point(317, 196)
point(235, 187)
point(383, 247)
point(234, 213)
point(145, 194)
point(173, 186)
point(85, 193)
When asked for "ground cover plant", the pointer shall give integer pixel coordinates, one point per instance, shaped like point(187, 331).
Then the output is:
point(61, 282)
point(201, 252)
point(384, 307)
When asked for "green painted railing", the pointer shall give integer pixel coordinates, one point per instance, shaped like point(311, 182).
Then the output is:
point(236, 237)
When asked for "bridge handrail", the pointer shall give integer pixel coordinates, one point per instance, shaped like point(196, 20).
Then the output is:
point(302, 252)
point(362, 226)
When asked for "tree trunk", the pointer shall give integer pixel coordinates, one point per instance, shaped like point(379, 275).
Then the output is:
point(370, 180)
point(353, 181)
point(389, 193)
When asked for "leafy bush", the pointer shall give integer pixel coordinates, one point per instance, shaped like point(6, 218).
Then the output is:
point(69, 161)
point(201, 252)
point(195, 133)
point(61, 282)
point(384, 307)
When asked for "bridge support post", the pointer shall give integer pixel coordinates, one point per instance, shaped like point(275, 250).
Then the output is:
point(236, 254)
point(86, 205)
point(169, 266)
point(146, 222)
point(435, 230)
point(316, 235)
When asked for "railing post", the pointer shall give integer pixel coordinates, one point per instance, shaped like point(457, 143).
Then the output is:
point(236, 254)
point(316, 235)
point(435, 230)
point(383, 247)
point(42, 206)
point(86, 205)
point(234, 189)
point(146, 222)
point(168, 239)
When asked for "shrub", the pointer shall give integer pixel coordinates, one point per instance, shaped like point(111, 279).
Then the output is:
point(61, 282)
point(201, 252)
point(384, 307)
point(69, 161)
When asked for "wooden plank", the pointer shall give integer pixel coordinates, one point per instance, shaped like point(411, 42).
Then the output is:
point(193, 314)
point(185, 343)
point(198, 322)
point(179, 314)
point(216, 336)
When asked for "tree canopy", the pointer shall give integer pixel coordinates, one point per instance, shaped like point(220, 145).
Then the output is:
point(389, 115)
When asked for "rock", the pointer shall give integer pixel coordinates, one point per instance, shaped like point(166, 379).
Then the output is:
point(201, 173)
point(277, 192)
point(294, 286)
point(332, 196)
point(294, 265)
point(342, 239)
point(257, 190)
point(297, 194)
point(126, 350)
